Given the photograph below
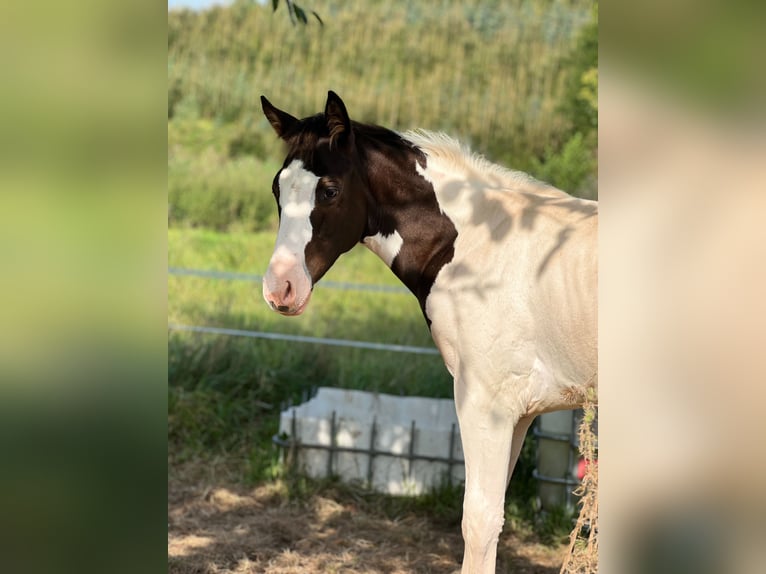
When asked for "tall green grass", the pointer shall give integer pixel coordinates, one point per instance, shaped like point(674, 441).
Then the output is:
point(211, 186)
point(513, 79)
point(493, 73)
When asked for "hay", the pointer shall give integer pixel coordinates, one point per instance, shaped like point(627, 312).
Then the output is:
point(222, 526)
point(582, 555)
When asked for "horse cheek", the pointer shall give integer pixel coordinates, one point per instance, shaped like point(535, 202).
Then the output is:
point(319, 258)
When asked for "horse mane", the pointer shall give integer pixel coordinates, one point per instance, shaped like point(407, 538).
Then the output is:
point(460, 159)
point(452, 156)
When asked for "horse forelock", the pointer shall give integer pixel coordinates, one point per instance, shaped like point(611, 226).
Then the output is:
point(303, 138)
point(310, 132)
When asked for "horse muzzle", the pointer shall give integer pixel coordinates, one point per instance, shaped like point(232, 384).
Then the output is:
point(287, 287)
point(290, 311)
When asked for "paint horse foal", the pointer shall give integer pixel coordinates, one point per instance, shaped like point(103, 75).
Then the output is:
point(504, 268)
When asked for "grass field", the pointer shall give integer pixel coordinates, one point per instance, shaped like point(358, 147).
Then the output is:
point(337, 313)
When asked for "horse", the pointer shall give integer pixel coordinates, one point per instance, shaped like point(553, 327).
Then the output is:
point(504, 268)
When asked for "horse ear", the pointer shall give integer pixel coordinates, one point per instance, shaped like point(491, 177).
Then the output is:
point(338, 122)
point(279, 120)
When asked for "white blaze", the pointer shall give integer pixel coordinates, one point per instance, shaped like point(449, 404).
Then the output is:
point(297, 188)
point(287, 283)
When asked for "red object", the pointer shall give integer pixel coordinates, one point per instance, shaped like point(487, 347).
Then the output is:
point(582, 468)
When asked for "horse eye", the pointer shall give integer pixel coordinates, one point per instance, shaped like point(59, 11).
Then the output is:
point(330, 192)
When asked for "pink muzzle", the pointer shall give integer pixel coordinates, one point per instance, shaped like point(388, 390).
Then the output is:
point(287, 284)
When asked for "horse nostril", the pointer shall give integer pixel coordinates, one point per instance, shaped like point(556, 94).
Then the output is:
point(288, 290)
point(283, 308)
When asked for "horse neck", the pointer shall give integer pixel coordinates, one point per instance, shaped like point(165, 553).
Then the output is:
point(406, 227)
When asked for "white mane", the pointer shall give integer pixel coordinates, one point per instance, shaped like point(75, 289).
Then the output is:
point(457, 158)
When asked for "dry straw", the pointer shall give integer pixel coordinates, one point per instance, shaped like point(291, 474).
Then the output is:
point(582, 555)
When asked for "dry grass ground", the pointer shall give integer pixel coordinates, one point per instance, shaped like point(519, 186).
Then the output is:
point(217, 525)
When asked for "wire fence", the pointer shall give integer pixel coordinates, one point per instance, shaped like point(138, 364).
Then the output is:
point(304, 339)
point(236, 276)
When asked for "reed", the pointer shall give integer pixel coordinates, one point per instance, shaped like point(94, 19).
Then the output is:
point(490, 72)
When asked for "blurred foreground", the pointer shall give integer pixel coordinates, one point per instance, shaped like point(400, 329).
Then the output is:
point(83, 392)
point(682, 278)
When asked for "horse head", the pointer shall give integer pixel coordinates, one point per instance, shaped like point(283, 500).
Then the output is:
point(321, 198)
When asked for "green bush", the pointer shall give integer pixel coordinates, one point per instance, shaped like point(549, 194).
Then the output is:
point(221, 194)
point(580, 98)
point(569, 169)
point(253, 139)
point(571, 163)
point(217, 175)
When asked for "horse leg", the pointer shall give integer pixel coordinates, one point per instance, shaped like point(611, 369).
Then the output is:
point(487, 440)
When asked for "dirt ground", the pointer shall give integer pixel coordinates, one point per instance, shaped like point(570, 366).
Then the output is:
point(223, 527)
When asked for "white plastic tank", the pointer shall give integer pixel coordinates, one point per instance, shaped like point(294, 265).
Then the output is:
point(401, 445)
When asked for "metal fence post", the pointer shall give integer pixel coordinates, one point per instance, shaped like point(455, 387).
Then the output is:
point(331, 454)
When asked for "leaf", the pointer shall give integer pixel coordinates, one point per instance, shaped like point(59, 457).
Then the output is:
point(296, 12)
point(291, 11)
point(300, 14)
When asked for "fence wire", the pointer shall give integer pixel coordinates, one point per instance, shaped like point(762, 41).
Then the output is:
point(236, 276)
point(304, 339)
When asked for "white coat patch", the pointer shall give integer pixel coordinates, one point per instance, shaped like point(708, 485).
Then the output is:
point(385, 246)
point(456, 204)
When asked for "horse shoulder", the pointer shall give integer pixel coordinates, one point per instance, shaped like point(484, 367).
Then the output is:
point(517, 310)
